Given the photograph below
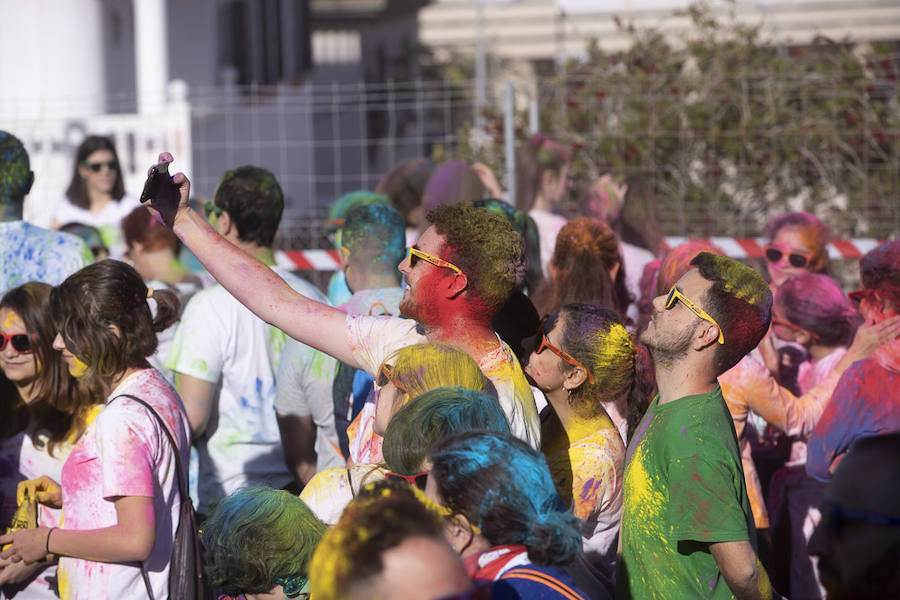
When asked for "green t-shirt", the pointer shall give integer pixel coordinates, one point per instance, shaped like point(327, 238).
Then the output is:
point(684, 489)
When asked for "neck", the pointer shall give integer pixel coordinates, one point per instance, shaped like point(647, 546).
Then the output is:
point(541, 203)
point(98, 199)
point(574, 425)
point(888, 355)
point(117, 380)
point(817, 351)
point(680, 378)
point(25, 389)
point(617, 409)
point(473, 337)
point(10, 211)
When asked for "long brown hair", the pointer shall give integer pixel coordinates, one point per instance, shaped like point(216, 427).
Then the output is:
point(57, 405)
point(536, 155)
point(586, 249)
point(106, 293)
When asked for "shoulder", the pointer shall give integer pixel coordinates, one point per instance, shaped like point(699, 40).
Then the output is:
point(540, 581)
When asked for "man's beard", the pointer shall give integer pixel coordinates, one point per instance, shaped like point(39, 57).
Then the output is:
point(667, 347)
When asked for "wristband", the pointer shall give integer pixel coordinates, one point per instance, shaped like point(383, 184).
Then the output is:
point(47, 546)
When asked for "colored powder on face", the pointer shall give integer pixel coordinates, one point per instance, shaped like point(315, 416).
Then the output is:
point(77, 368)
point(12, 320)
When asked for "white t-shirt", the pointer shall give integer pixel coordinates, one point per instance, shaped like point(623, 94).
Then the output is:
point(220, 341)
point(125, 453)
point(372, 339)
point(635, 259)
point(108, 221)
point(548, 226)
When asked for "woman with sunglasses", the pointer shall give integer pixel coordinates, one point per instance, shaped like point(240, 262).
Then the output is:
point(585, 363)
point(503, 515)
point(44, 415)
point(258, 543)
point(118, 488)
point(797, 244)
point(96, 193)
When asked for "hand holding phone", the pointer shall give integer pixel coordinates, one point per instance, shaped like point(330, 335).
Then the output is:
point(161, 193)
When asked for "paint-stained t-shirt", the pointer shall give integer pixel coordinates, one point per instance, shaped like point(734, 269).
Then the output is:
point(36, 254)
point(684, 489)
point(372, 339)
point(864, 404)
point(125, 453)
point(220, 341)
point(305, 377)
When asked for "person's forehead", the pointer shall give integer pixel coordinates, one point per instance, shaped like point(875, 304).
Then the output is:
point(430, 241)
point(9, 319)
point(791, 238)
point(693, 285)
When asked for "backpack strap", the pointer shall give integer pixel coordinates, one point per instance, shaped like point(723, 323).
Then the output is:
point(543, 579)
point(182, 482)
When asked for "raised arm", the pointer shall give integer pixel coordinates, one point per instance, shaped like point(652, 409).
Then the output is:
point(249, 280)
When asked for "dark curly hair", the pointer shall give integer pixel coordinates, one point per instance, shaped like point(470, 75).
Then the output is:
point(487, 249)
point(106, 293)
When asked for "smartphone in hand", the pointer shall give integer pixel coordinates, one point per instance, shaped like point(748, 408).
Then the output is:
point(158, 177)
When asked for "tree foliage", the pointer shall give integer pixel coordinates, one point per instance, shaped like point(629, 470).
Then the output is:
point(731, 129)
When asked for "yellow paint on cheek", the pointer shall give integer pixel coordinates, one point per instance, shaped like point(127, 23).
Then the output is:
point(77, 368)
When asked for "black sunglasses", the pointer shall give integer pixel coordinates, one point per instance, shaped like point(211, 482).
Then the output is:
point(773, 255)
point(21, 342)
point(96, 166)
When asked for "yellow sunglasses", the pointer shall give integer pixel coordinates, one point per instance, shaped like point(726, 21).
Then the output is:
point(675, 295)
point(415, 254)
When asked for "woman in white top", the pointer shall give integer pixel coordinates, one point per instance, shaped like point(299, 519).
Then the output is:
point(96, 194)
point(38, 430)
point(118, 489)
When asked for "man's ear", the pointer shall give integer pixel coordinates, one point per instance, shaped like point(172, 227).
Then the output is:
point(457, 285)
point(224, 224)
point(706, 333)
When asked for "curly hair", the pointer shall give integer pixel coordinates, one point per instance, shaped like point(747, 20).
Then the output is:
point(77, 190)
point(256, 535)
point(106, 293)
point(525, 226)
point(434, 415)
point(380, 518)
point(485, 247)
point(504, 487)
point(739, 300)
point(586, 250)
point(815, 233)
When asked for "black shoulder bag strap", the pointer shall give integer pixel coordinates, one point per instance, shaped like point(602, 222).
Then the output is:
point(182, 482)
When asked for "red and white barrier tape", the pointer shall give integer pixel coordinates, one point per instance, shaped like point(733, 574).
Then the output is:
point(327, 260)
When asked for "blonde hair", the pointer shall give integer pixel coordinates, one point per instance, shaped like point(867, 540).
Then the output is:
point(421, 368)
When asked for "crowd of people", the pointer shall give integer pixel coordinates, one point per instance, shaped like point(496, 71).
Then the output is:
point(495, 398)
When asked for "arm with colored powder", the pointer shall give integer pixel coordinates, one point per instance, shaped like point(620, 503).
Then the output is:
point(249, 280)
point(797, 415)
point(741, 570)
point(837, 428)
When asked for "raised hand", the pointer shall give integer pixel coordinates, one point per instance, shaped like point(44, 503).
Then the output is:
point(166, 195)
point(871, 335)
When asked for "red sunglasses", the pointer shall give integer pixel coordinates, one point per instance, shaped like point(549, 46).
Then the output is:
point(418, 480)
point(546, 345)
point(21, 342)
